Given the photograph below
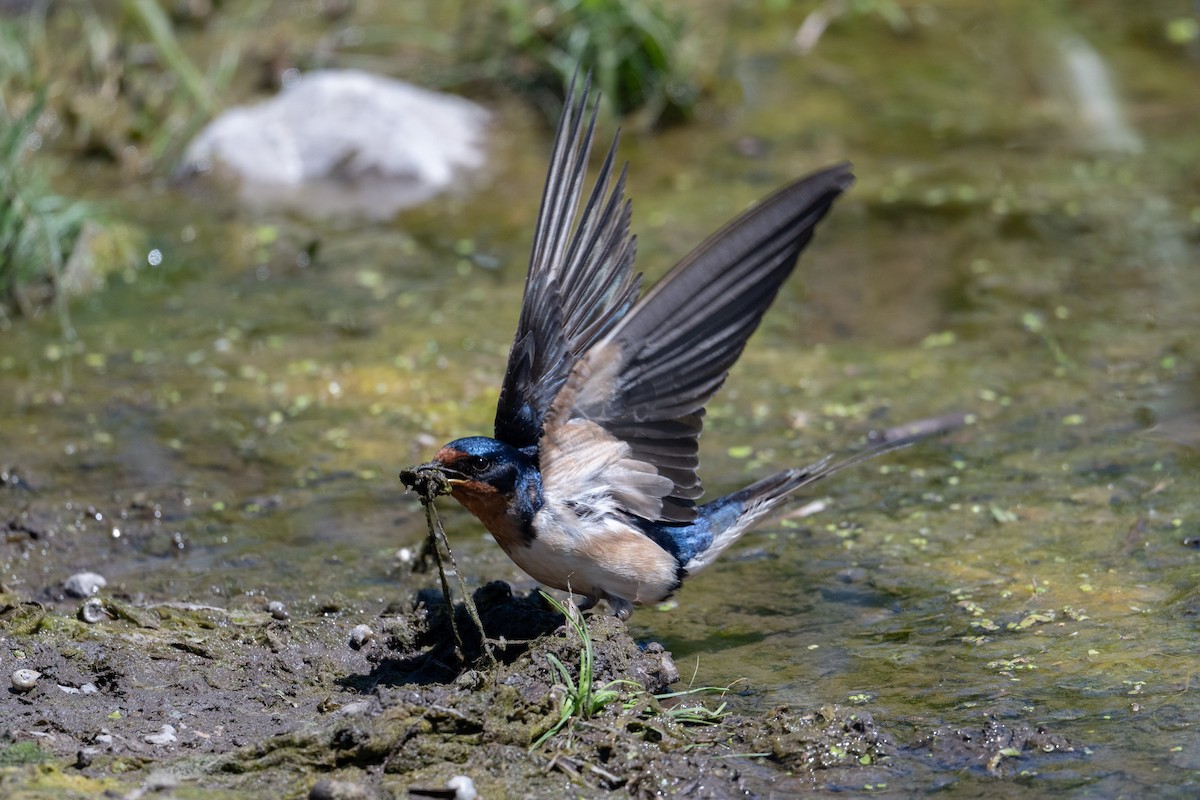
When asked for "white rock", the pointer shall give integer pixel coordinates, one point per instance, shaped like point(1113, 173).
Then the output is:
point(84, 584)
point(357, 142)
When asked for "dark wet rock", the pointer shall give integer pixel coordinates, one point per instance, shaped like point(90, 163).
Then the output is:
point(15, 479)
point(343, 142)
point(29, 523)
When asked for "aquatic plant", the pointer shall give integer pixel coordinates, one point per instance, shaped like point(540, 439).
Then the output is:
point(155, 22)
point(117, 78)
point(631, 47)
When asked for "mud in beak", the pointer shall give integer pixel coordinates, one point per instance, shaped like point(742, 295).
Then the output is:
point(430, 479)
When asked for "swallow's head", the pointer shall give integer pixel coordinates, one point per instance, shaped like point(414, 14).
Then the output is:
point(495, 481)
point(478, 467)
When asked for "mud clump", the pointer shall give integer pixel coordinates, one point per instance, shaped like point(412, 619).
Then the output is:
point(996, 748)
point(429, 717)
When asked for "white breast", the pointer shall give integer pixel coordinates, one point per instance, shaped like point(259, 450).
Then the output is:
point(596, 557)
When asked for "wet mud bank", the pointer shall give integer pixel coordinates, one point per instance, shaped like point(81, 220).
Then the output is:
point(124, 695)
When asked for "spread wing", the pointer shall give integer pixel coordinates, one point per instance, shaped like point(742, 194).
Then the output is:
point(580, 279)
point(628, 418)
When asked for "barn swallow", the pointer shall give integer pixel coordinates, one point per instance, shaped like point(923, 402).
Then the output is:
point(590, 481)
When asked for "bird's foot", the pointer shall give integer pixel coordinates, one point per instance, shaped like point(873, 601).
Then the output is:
point(621, 607)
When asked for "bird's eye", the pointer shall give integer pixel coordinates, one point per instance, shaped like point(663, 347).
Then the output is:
point(478, 464)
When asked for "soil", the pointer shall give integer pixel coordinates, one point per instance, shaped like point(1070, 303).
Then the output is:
point(198, 700)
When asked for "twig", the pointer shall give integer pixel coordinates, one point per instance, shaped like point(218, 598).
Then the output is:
point(439, 538)
point(436, 534)
point(429, 482)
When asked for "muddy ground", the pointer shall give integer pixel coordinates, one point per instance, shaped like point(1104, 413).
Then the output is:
point(138, 696)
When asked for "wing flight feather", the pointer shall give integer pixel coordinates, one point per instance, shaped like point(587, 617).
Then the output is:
point(644, 383)
point(580, 279)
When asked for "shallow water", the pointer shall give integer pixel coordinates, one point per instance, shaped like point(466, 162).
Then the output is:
point(1009, 251)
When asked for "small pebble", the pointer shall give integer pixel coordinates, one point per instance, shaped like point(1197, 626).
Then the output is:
point(355, 708)
point(160, 781)
point(853, 575)
point(87, 688)
point(24, 680)
point(93, 611)
point(278, 610)
point(84, 584)
point(165, 736)
point(470, 680)
point(327, 789)
point(464, 788)
point(361, 636)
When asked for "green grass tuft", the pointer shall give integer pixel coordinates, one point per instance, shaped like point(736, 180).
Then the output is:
point(581, 698)
point(37, 227)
